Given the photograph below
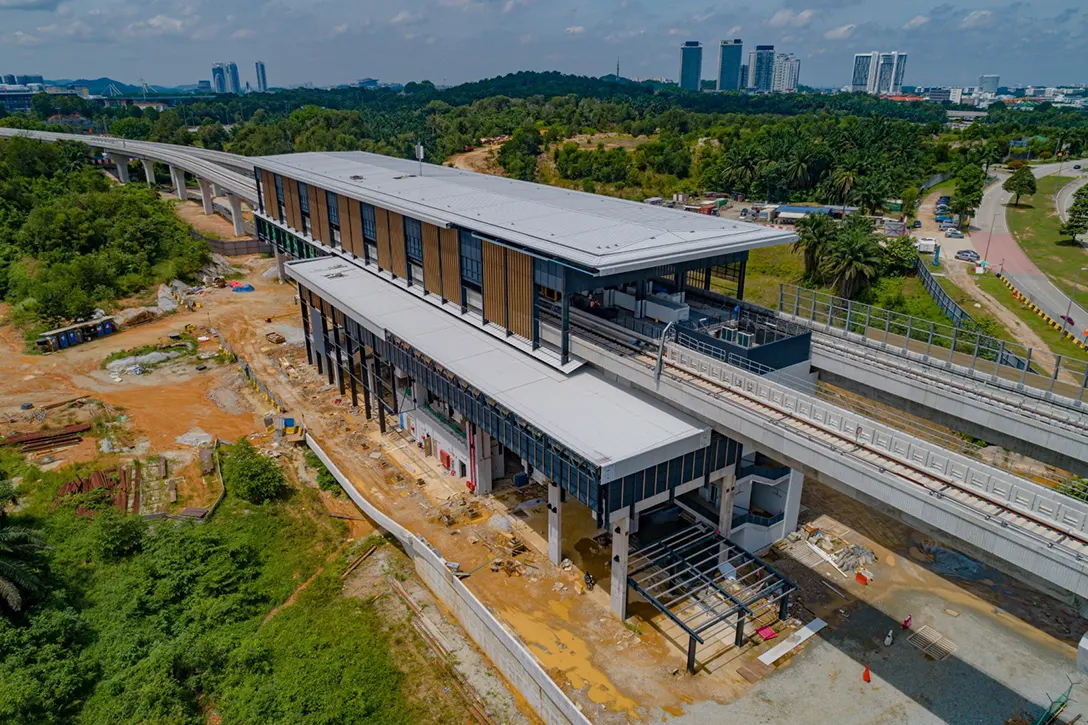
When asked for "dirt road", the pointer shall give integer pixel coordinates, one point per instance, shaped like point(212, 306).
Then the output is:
point(483, 159)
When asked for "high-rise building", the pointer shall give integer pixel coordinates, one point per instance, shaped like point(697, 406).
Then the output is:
point(989, 84)
point(262, 81)
point(787, 70)
point(8, 79)
point(743, 75)
point(233, 83)
point(879, 73)
point(219, 78)
point(864, 79)
point(761, 69)
point(729, 65)
point(691, 64)
point(23, 80)
point(203, 86)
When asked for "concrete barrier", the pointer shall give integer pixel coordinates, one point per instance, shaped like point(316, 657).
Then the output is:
point(504, 650)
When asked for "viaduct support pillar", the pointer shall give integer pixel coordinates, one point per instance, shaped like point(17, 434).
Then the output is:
point(793, 502)
point(206, 196)
point(236, 215)
point(280, 274)
point(177, 176)
point(120, 162)
point(621, 527)
point(480, 452)
point(149, 171)
point(555, 522)
point(728, 495)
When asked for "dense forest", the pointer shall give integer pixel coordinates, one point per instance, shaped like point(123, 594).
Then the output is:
point(71, 241)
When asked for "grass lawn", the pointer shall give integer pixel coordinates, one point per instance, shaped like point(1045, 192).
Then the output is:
point(767, 269)
point(1035, 225)
point(1053, 339)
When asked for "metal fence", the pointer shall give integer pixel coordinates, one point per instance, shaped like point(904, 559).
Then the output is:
point(948, 306)
point(961, 352)
point(254, 382)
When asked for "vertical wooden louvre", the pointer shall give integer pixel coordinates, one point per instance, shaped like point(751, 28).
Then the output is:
point(432, 267)
point(396, 245)
point(356, 223)
point(347, 241)
point(319, 216)
point(519, 282)
point(451, 265)
point(494, 259)
point(268, 187)
point(290, 198)
point(381, 223)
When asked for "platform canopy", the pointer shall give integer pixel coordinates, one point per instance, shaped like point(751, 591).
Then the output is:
point(599, 234)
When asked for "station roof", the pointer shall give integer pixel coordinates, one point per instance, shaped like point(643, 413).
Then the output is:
point(615, 428)
point(600, 233)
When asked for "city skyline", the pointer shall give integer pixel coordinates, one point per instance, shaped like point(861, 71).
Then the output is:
point(337, 42)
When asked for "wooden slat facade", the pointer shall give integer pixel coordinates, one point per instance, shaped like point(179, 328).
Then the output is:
point(519, 291)
point(396, 245)
point(432, 264)
point(494, 259)
point(346, 240)
point(354, 223)
point(451, 265)
point(381, 226)
point(290, 199)
point(268, 187)
point(319, 216)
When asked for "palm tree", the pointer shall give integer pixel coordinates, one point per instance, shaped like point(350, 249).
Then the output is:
point(741, 167)
point(870, 192)
point(18, 573)
point(815, 233)
point(852, 261)
point(843, 180)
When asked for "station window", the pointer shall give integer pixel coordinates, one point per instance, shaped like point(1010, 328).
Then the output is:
point(260, 190)
point(334, 218)
point(304, 207)
point(370, 227)
point(413, 237)
point(279, 198)
point(472, 260)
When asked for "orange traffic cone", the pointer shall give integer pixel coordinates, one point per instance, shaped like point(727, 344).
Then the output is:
point(866, 676)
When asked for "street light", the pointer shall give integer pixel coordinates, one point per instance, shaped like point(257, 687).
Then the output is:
point(1069, 307)
point(990, 236)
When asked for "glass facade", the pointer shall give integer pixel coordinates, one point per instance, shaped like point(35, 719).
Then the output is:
point(279, 198)
point(303, 198)
point(370, 227)
point(334, 218)
point(472, 259)
point(413, 238)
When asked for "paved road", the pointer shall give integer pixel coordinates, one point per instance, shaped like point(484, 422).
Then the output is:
point(1065, 194)
point(1005, 254)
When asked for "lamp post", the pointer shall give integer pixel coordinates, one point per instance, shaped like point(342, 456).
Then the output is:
point(1069, 307)
point(990, 236)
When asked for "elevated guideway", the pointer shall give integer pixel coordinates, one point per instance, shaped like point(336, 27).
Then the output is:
point(1030, 402)
point(1029, 530)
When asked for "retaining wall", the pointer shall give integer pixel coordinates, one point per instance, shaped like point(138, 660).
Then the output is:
point(504, 650)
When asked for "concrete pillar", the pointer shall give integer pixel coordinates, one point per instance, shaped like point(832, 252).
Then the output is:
point(1082, 654)
point(793, 502)
point(120, 161)
point(555, 523)
point(206, 196)
point(280, 273)
point(236, 215)
point(177, 176)
point(728, 486)
point(480, 452)
point(149, 171)
point(620, 528)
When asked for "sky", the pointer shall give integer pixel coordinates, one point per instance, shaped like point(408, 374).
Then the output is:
point(328, 42)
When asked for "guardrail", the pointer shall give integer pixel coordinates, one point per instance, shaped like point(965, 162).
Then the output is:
point(949, 306)
point(950, 352)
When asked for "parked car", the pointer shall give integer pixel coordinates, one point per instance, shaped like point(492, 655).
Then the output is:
point(944, 218)
point(917, 224)
point(967, 255)
point(954, 234)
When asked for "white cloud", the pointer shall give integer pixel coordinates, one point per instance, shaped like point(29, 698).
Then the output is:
point(977, 19)
point(703, 16)
point(405, 17)
point(575, 30)
point(916, 22)
point(841, 33)
point(787, 18)
point(242, 33)
point(526, 39)
point(676, 31)
point(28, 5)
point(20, 38)
point(735, 30)
point(156, 26)
point(465, 5)
point(620, 35)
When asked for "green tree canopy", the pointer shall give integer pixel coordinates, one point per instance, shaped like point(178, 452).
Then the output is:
point(1021, 182)
point(251, 476)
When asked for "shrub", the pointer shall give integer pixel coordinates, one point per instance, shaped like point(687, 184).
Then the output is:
point(252, 476)
point(116, 536)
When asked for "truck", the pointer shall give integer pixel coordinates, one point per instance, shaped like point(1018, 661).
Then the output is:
point(926, 245)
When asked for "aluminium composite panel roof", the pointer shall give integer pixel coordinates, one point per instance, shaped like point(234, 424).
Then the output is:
point(601, 233)
point(615, 428)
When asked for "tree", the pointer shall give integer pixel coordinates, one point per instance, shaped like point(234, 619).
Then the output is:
point(909, 196)
point(19, 575)
point(815, 233)
point(116, 536)
point(900, 256)
point(1077, 223)
point(252, 476)
point(852, 262)
point(518, 156)
point(1021, 182)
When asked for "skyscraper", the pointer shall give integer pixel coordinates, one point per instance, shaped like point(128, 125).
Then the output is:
point(219, 78)
point(989, 84)
point(879, 73)
point(233, 84)
point(691, 64)
point(262, 81)
point(761, 69)
point(787, 70)
point(729, 57)
point(864, 80)
point(9, 79)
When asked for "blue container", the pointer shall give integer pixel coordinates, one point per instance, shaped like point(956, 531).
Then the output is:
point(521, 479)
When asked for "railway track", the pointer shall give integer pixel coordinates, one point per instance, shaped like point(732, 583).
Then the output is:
point(629, 345)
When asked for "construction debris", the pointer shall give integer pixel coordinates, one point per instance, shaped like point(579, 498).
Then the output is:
point(119, 482)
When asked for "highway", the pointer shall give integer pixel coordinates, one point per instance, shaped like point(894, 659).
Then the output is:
point(994, 240)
